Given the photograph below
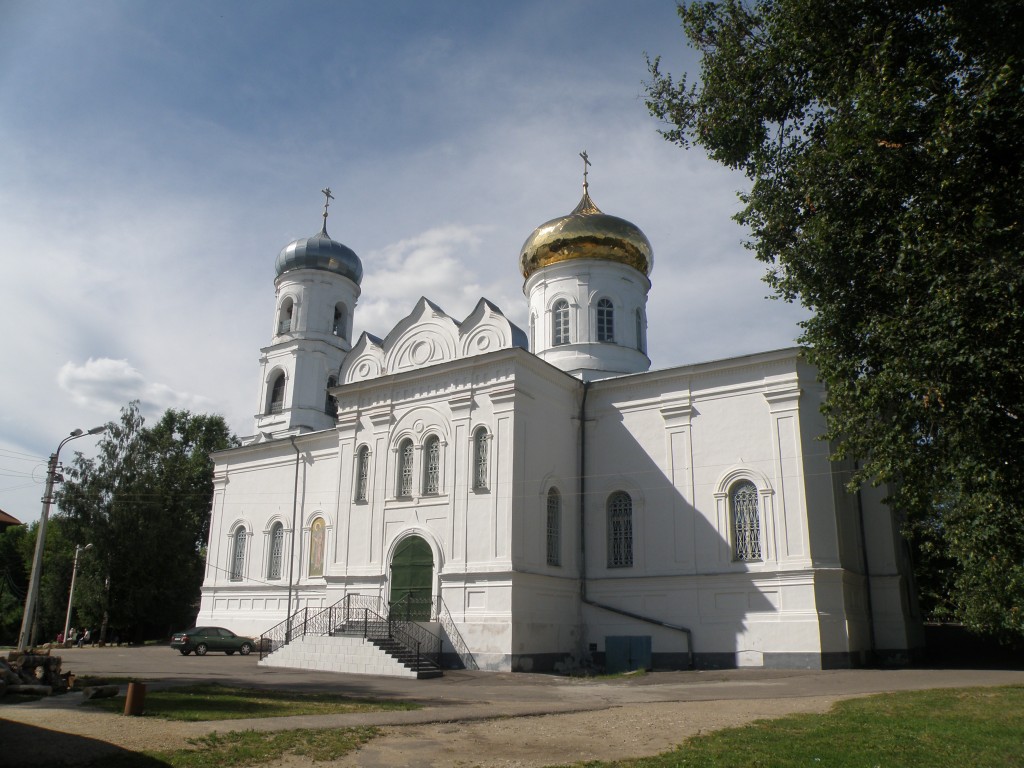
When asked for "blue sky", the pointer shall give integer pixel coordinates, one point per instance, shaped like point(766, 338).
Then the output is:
point(156, 156)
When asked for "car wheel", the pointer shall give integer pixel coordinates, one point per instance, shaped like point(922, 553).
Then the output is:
point(183, 651)
point(246, 649)
point(201, 649)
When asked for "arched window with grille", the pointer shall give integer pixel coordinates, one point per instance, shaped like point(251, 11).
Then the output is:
point(363, 474)
point(640, 332)
point(746, 521)
point(432, 465)
point(560, 323)
point(276, 401)
point(405, 464)
point(480, 459)
point(533, 333)
point(238, 553)
point(605, 321)
point(554, 527)
point(276, 551)
point(620, 530)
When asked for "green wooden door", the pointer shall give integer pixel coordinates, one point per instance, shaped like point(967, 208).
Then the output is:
point(412, 577)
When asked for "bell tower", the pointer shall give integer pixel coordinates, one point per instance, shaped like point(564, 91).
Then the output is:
point(317, 286)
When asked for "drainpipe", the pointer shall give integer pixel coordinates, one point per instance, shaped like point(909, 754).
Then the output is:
point(583, 547)
point(291, 558)
point(867, 576)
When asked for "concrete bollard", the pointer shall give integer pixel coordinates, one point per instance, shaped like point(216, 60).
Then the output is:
point(135, 700)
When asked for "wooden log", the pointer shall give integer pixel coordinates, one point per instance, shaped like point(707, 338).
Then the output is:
point(100, 692)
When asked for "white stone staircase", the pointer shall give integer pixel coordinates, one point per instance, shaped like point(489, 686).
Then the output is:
point(339, 653)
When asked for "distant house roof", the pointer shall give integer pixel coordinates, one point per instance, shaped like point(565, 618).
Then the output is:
point(6, 520)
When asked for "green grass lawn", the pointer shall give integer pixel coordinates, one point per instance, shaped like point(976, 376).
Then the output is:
point(961, 728)
point(217, 702)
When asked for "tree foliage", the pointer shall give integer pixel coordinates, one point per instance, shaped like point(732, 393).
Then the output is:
point(144, 504)
point(882, 139)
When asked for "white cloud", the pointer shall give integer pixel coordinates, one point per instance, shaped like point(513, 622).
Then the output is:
point(104, 385)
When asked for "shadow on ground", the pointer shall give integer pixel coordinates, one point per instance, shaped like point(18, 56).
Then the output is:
point(27, 746)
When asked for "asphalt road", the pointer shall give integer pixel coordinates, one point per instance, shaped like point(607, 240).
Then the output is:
point(533, 693)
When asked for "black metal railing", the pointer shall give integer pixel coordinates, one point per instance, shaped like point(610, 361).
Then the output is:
point(362, 615)
point(451, 631)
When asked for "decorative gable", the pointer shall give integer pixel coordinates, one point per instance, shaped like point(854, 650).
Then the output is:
point(428, 336)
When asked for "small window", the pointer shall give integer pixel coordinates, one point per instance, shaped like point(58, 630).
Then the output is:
point(480, 478)
point(432, 465)
point(605, 321)
point(276, 404)
point(554, 527)
point(340, 315)
point(640, 332)
point(746, 519)
point(276, 551)
point(560, 323)
point(405, 462)
point(363, 474)
point(331, 403)
point(533, 333)
point(284, 318)
point(620, 530)
point(238, 554)
point(317, 535)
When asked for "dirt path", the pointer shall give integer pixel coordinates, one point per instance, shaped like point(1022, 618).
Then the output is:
point(632, 730)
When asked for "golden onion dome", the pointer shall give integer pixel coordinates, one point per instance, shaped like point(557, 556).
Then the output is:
point(586, 233)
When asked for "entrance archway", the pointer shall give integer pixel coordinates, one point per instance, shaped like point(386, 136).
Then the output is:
point(412, 579)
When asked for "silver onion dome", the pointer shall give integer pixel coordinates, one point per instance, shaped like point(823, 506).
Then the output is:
point(320, 252)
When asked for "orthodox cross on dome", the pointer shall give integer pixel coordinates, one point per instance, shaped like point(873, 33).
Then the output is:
point(327, 201)
point(586, 164)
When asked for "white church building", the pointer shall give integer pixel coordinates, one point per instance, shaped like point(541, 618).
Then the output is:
point(543, 499)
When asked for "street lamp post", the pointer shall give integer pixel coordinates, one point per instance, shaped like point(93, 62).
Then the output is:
point(37, 559)
point(79, 549)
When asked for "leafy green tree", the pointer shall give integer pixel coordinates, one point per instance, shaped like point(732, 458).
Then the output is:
point(13, 581)
point(144, 504)
point(882, 141)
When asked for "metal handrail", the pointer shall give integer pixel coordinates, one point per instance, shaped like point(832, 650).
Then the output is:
point(363, 613)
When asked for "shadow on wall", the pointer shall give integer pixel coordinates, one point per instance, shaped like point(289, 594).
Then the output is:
point(674, 546)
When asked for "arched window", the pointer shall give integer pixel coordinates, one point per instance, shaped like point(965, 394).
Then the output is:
point(480, 459)
point(276, 404)
point(746, 521)
point(620, 530)
point(405, 459)
point(605, 321)
point(238, 554)
point(284, 318)
point(432, 465)
point(362, 473)
point(533, 333)
point(317, 534)
point(331, 402)
point(276, 551)
point(560, 323)
point(554, 527)
point(340, 314)
point(640, 332)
